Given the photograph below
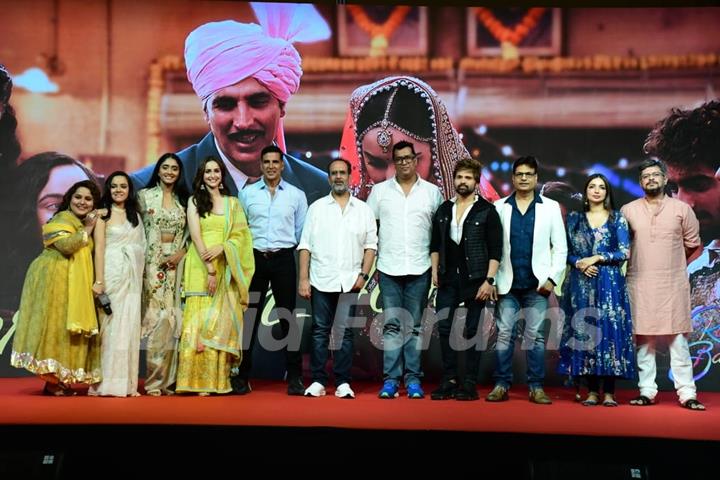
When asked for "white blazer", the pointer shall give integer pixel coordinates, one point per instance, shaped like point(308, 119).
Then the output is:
point(549, 250)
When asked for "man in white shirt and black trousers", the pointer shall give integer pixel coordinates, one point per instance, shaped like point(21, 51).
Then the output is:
point(337, 250)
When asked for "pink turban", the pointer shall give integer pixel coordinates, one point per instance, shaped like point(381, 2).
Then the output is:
point(220, 54)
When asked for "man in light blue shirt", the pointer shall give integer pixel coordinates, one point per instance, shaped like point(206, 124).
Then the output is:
point(276, 212)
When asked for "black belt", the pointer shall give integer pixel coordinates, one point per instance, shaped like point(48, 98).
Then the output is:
point(273, 254)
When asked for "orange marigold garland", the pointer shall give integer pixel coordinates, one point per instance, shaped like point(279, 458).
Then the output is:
point(379, 33)
point(514, 35)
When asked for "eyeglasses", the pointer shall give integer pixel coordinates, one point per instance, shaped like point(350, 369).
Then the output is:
point(403, 160)
point(524, 174)
point(648, 176)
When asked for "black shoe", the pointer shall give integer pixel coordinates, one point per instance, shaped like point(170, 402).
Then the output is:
point(240, 386)
point(468, 392)
point(295, 386)
point(445, 391)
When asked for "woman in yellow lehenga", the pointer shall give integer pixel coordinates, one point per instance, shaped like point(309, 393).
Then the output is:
point(218, 269)
point(57, 330)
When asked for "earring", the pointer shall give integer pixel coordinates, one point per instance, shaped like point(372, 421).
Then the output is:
point(222, 187)
point(202, 187)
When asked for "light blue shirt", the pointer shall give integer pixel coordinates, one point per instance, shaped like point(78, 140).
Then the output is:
point(275, 221)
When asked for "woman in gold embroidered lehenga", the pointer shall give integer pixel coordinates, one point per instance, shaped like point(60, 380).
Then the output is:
point(162, 207)
point(57, 328)
point(218, 269)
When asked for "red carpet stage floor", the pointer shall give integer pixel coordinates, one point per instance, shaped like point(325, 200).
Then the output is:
point(22, 403)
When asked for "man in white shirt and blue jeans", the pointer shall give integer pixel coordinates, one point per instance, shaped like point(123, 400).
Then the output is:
point(337, 250)
point(404, 207)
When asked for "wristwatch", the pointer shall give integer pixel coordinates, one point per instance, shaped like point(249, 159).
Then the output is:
point(365, 276)
point(490, 280)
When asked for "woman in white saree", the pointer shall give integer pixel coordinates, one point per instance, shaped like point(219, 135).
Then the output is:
point(119, 263)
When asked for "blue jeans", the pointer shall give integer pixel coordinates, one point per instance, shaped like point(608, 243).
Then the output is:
point(404, 300)
point(533, 305)
point(330, 314)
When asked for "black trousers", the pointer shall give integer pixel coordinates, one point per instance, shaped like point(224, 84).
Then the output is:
point(449, 296)
point(594, 384)
point(278, 270)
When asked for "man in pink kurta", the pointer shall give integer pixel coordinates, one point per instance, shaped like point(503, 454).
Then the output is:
point(688, 142)
point(665, 233)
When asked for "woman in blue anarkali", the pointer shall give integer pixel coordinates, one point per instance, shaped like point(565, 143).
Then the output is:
point(597, 342)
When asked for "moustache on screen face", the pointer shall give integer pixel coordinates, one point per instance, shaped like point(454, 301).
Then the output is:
point(241, 135)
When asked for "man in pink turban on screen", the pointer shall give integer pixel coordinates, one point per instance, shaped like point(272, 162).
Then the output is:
point(244, 74)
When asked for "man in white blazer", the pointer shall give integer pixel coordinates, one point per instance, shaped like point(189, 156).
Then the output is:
point(532, 264)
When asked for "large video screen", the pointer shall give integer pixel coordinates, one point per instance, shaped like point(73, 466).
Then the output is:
point(114, 85)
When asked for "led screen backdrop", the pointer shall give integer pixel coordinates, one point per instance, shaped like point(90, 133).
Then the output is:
point(105, 83)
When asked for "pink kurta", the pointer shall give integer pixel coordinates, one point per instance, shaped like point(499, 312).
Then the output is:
point(657, 278)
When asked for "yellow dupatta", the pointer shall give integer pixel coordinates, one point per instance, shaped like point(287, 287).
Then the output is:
point(222, 328)
point(81, 315)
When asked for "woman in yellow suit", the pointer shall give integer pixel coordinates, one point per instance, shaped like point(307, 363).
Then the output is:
point(218, 270)
point(57, 328)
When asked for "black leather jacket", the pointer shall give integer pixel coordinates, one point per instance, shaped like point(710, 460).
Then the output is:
point(481, 237)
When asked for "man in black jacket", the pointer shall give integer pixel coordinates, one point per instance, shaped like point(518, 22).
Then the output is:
point(466, 248)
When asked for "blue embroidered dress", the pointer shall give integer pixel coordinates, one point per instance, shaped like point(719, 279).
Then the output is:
point(597, 337)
